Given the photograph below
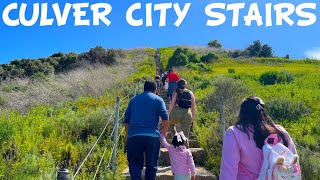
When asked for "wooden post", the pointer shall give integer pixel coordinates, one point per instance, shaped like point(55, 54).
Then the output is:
point(222, 115)
point(115, 136)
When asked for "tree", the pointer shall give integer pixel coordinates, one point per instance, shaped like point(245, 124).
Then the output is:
point(266, 51)
point(215, 44)
point(255, 48)
point(180, 57)
point(287, 56)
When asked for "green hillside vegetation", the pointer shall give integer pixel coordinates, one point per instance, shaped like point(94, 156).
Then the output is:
point(58, 62)
point(52, 120)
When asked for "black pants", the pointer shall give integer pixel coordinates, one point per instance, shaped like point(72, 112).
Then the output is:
point(136, 147)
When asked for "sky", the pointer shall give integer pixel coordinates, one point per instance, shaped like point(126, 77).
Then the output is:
point(42, 41)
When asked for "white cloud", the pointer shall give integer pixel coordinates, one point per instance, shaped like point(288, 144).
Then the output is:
point(313, 53)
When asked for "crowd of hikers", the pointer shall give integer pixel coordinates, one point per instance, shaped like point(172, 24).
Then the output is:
point(253, 148)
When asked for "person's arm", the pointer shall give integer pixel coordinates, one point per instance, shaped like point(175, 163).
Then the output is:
point(164, 141)
point(191, 165)
point(126, 127)
point(165, 125)
point(193, 106)
point(230, 157)
point(173, 102)
point(164, 117)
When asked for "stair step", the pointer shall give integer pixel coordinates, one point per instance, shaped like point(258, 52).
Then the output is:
point(197, 153)
point(191, 136)
point(192, 143)
point(164, 173)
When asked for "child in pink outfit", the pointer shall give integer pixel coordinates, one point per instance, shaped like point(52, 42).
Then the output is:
point(181, 159)
point(242, 154)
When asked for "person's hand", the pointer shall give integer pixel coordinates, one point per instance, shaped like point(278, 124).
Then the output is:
point(165, 133)
point(193, 177)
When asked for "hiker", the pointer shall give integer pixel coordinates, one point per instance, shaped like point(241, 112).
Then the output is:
point(172, 79)
point(141, 125)
point(163, 77)
point(181, 159)
point(242, 153)
point(159, 84)
point(182, 109)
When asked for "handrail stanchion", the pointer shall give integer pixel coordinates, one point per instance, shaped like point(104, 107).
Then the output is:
point(115, 135)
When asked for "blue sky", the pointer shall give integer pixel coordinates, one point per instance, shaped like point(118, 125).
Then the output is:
point(34, 42)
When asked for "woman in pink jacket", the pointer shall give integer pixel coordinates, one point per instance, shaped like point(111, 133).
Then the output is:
point(242, 154)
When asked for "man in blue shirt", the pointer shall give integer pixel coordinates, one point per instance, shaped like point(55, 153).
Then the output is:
point(142, 131)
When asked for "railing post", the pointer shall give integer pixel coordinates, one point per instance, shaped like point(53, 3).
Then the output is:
point(115, 135)
point(222, 115)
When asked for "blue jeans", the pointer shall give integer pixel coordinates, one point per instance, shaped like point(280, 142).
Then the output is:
point(136, 147)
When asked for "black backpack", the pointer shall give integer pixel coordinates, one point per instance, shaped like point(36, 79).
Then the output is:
point(184, 100)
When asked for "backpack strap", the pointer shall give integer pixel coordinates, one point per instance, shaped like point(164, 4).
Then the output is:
point(272, 139)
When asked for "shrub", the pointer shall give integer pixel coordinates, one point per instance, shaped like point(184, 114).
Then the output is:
point(7, 130)
point(194, 58)
point(281, 109)
point(204, 67)
point(193, 66)
point(213, 148)
point(2, 101)
point(236, 54)
point(309, 163)
point(215, 43)
point(199, 66)
point(233, 91)
point(231, 71)
point(273, 77)
point(210, 57)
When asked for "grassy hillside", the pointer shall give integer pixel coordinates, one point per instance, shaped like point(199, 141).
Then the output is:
point(52, 122)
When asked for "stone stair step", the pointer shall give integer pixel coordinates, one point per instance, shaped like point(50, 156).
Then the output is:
point(192, 143)
point(191, 136)
point(197, 153)
point(164, 173)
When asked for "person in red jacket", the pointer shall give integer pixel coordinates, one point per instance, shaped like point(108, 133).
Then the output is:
point(172, 79)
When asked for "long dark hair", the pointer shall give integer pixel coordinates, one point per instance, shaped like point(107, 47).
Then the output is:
point(253, 114)
point(181, 86)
